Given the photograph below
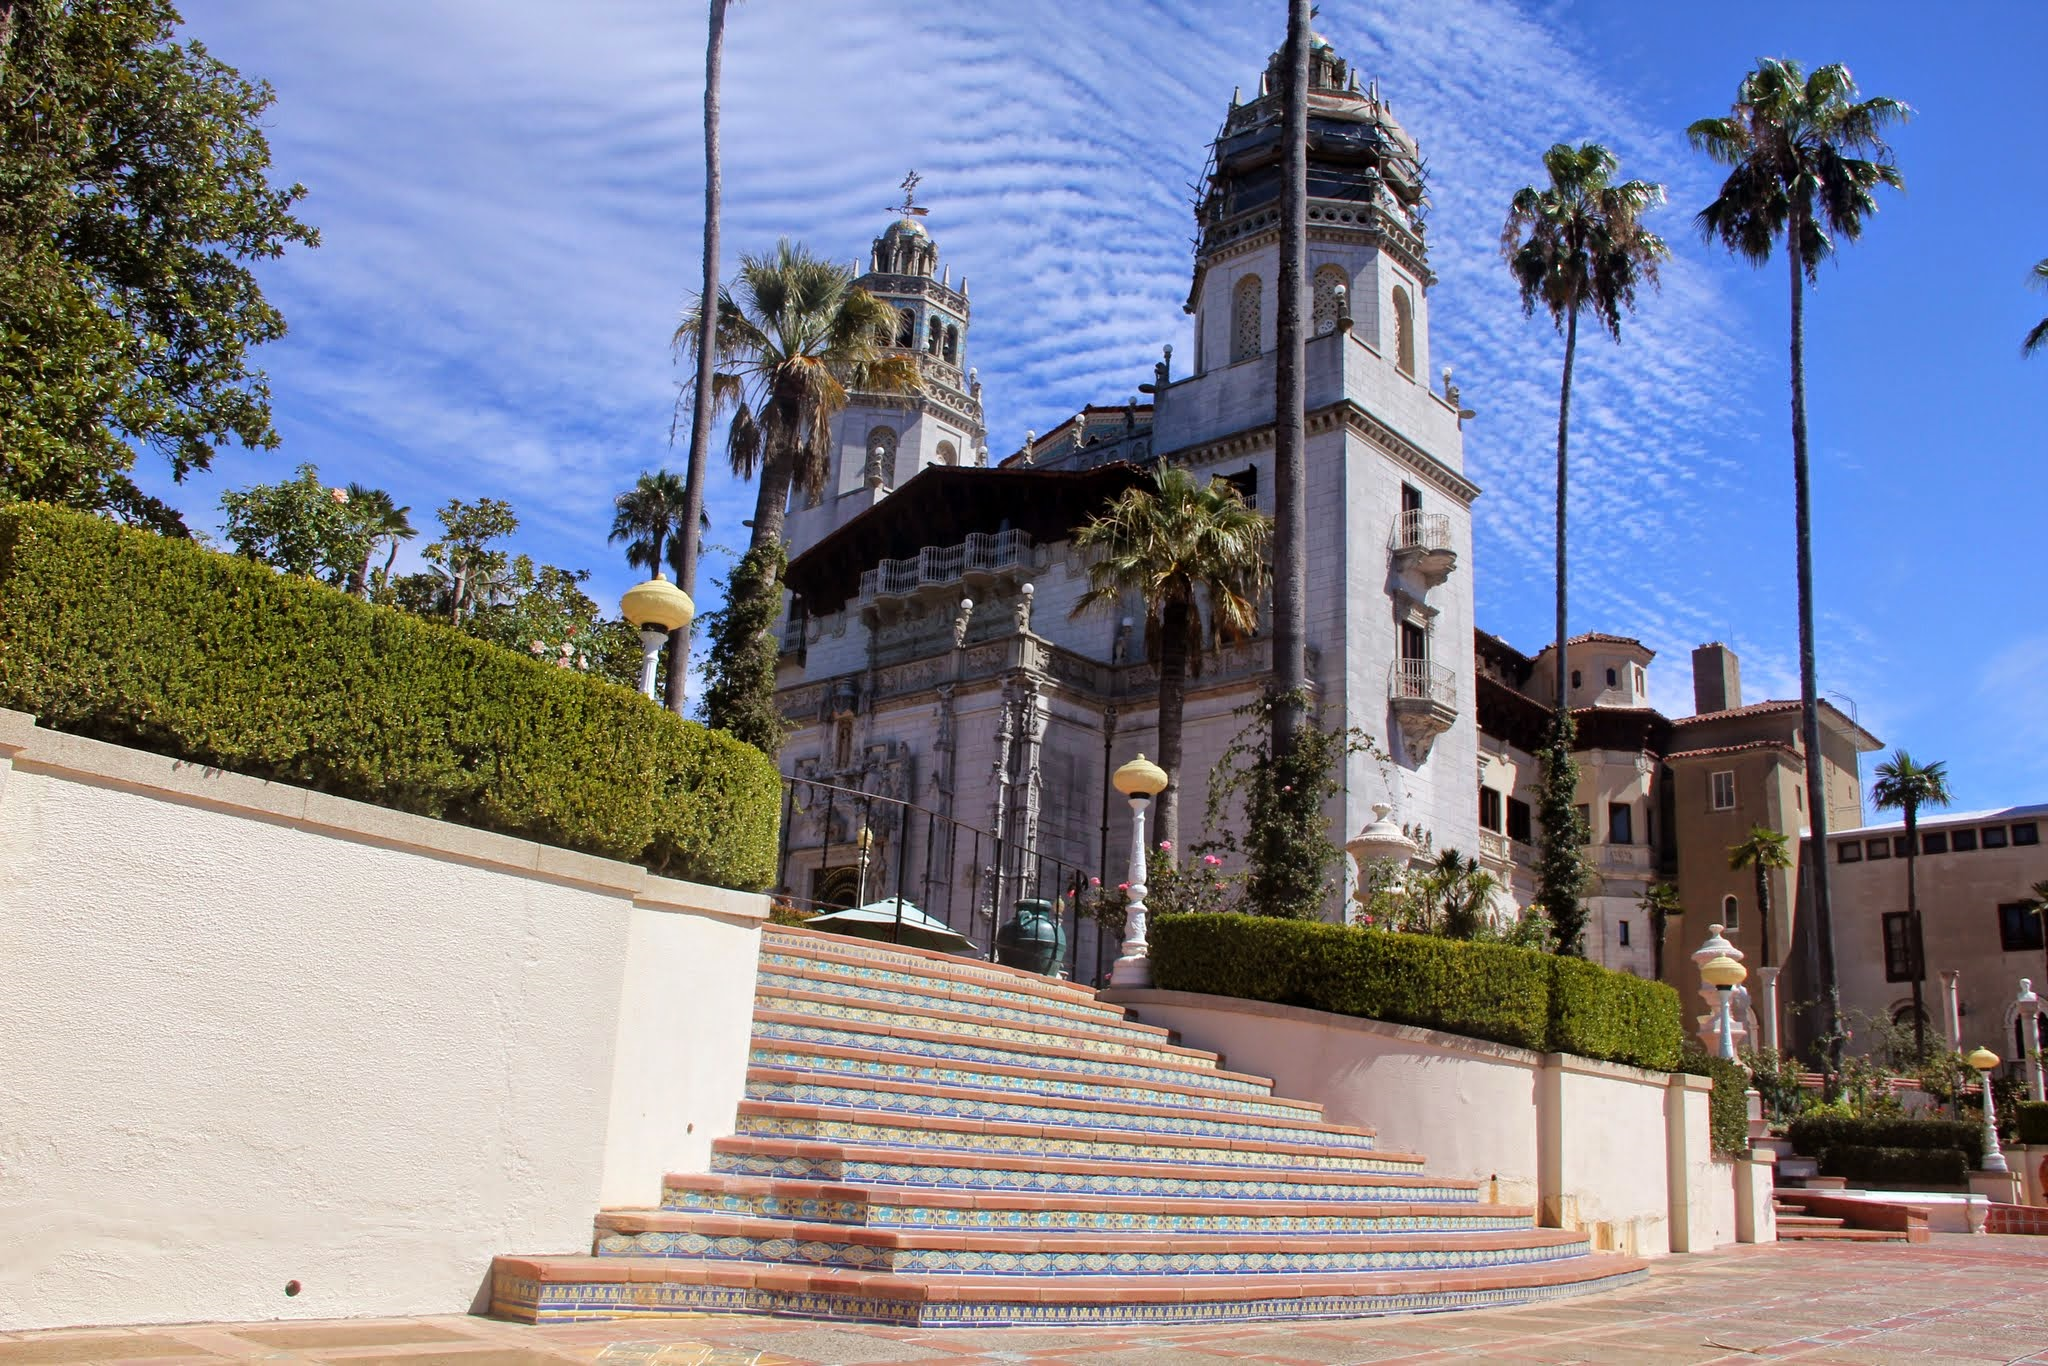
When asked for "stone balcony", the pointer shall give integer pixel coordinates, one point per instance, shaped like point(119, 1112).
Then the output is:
point(1424, 697)
point(1421, 541)
point(977, 565)
point(1496, 850)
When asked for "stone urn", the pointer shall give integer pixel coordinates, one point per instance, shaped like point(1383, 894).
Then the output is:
point(1034, 940)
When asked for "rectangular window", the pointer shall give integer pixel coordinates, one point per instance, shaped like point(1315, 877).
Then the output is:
point(1963, 841)
point(1849, 851)
point(2019, 928)
point(1723, 790)
point(1521, 820)
point(1934, 842)
point(1898, 947)
point(1489, 808)
point(1620, 823)
point(1624, 934)
point(1878, 849)
point(1585, 813)
point(1899, 845)
point(1994, 837)
point(2025, 832)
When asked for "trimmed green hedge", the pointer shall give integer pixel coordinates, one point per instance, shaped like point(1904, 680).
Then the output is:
point(125, 636)
point(1488, 991)
point(1813, 1135)
point(2030, 1119)
point(1908, 1168)
point(1727, 1104)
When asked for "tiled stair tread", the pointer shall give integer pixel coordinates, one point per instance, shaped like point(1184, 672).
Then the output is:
point(1193, 1087)
point(1844, 1235)
point(850, 972)
point(944, 966)
point(1150, 1037)
point(1075, 1104)
point(720, 1184)
point(713, 1225)
point(920, 1127)
point(1119, 1050)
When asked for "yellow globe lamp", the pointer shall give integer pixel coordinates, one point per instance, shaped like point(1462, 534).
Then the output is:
point(1140, 778)
point(1983, 1059)
point(655, 608)
point(1723, 973)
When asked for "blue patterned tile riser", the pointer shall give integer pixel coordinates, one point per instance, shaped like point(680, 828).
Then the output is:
point(1198, 1221)
point(875, 984)
point(1134, 1046)
point(1012, 1110)
point(1168, 1182)
point(967, 973)
point(850, 1256)
point(967, 1050)
point(1248, 1101)
point(520, 1298)
point(884, 1134)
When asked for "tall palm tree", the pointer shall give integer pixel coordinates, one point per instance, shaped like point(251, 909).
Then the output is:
point(653, 519)
point(1804, 156)
point(2037, 337)
point(1575, 245)
point(1659, 902)
point(1172, 545)
point(1906, 786)
point(1765, 851)
point(383, 520)
point(2037, 902)
point(1290, 397)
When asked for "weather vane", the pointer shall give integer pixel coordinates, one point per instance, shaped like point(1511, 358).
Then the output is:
point(910, 207)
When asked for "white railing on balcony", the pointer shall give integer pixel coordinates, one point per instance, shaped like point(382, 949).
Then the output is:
point(1420, 680)
point(937, 566)
point(1495, 847)
point(1418, 530)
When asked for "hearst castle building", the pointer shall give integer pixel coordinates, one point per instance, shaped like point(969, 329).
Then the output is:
point(931, 655)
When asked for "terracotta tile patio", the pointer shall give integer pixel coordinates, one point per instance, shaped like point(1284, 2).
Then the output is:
point(1956, 1299)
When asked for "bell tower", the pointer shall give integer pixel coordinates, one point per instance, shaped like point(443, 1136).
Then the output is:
point(881, 440)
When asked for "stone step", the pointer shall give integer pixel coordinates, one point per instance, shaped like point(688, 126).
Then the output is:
point(1841, 1235)
point(1057, 1176)
point(564, 1289)
point(929, 1099)
point(930, 964)
point(942, 1134)
point(918, 1208)
point(963, 1252)
point(882, 981)
point(1080, 1055)
point(1218, 1091)
point(1132, 1040)
point(1789, 1217)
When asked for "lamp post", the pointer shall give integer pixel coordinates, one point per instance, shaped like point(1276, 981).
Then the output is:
point(655, 608)
point(1983, 1059)
point(1723, 974)
point(1140, 780)
point(2029, 1007)
point(864, 842)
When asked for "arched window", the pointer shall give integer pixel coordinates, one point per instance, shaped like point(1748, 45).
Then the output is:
point(949, 454)
point(1329, 280)
point(1245, 301)
point(937, 336)
point(906, 329)
point(952, 346)
point(1731, 913)
point(881, 456)
point(1404, 332)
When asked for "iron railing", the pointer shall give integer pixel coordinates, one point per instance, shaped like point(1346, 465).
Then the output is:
point(1415, 529)
point(967, 878)
point(1421, 680)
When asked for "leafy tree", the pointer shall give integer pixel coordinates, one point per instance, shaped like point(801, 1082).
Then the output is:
point(1171, 546)
point(1805, 155)
point(739, 693)
point(653, 519)
point(1576, 245)
point(2037, 336)
point(1658, 903)
point(383, 523)
point(134, 195)
point(1560, 866)
point(1905, 786)
point(465, 557)
point(299, 526)
point(545, 613)
point(1764, 850)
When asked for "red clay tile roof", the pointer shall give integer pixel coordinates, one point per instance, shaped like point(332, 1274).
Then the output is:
point(1753, 709)
point(1731, 749)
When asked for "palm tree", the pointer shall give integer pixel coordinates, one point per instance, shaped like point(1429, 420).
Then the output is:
point(2037, 338)
point(653, 519)
point(2037, 902)
point(1765, 851)
point(1575, 245)
point(1804, 156)
point(1290, 398)
point(381, 519)
point(1903, 785)
point(1659, 902)
point(1172, 545)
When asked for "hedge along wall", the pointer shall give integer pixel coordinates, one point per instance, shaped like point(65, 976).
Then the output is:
point(1487, 991)
point(125, 636)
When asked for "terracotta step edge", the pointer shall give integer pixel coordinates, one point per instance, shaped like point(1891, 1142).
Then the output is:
point(1023, 1070)
point(854, 948)
point(829, 1150)
point(1177, 1058)
point(1150, 1036)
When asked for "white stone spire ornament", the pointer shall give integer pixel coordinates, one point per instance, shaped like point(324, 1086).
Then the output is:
point(1382, 840)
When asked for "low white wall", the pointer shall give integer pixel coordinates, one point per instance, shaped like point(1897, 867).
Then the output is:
point(255, 1034)
point(1619, 1152)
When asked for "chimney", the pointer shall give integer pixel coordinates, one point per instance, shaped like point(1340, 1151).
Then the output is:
point(1716, 679)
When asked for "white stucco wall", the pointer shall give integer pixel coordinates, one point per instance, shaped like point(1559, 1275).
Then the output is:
point(256, 1034)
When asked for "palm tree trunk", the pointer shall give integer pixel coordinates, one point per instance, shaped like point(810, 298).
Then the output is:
point(1290, 398)
point(1763, 910)
point(1913, 919)
point(707, 335)
point(1173, 673)
point(1822, 941)
point(359, 581)
point(771, 502)
point(1564, 422)
point(391, 559)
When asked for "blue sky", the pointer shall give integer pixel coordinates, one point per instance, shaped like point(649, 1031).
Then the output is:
point(510, 201)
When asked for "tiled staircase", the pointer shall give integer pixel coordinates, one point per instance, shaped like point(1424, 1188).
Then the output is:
point(933, 1140)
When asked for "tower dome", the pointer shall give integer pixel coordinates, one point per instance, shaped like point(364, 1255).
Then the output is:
point(906, 248)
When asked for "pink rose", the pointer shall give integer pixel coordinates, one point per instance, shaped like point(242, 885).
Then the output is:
point(1094, 882)
point(1167, 845)
point(340, 495)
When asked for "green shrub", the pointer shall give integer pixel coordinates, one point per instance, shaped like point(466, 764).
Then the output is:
point(1727, 1104)
point(123, 636)
point(1910, 1168)
point(2030, 1121)
point(1486, 991)
point(1814, 1134)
